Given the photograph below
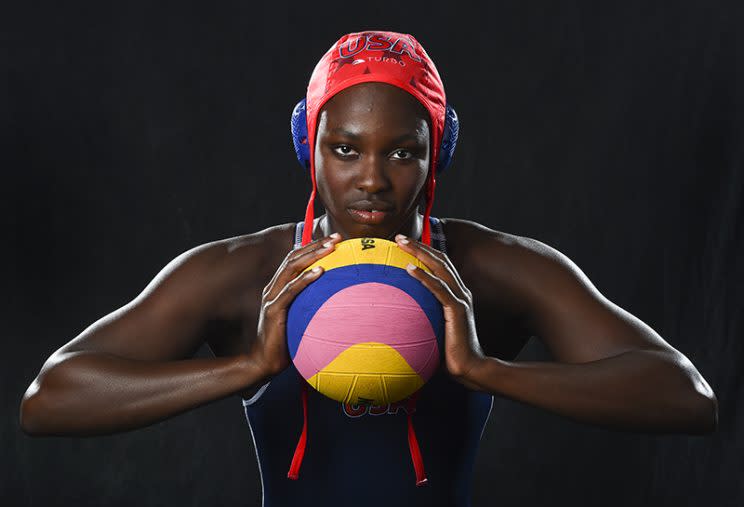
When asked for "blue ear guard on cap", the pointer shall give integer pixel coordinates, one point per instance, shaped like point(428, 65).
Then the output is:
point(302, 147)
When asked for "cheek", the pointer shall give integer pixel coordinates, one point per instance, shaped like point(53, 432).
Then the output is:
point(330, 183)
point(413, 183)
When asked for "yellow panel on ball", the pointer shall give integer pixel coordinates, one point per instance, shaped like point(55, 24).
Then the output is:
point(387, 377)
point(367, 251)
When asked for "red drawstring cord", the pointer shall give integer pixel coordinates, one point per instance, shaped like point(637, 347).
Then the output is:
point(294, 468)
point(430, 186)
point(418, 461)
point(413, 446)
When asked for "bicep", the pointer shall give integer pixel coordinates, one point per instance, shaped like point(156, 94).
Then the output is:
point(567, 312)
point(164, 322)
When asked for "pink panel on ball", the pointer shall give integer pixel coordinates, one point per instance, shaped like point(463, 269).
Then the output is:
point(368, 312)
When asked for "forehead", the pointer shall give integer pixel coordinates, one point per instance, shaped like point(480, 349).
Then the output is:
point(372, 106)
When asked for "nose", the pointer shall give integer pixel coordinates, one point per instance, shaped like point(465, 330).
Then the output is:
point(372, 177)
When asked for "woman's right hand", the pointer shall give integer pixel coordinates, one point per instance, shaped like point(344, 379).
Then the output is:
point(269, 350)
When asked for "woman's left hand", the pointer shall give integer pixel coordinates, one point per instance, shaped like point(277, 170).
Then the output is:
point(462, 350)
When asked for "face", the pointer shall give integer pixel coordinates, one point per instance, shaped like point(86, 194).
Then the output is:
point(372, 160)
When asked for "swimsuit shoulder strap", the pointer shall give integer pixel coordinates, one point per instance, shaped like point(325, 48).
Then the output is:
point(298, 235)
point(438, 240)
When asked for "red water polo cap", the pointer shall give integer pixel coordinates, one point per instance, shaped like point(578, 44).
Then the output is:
point(384, 57)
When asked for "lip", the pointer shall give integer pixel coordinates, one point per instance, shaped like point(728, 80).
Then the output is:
point(368, 217)
point(366, 205)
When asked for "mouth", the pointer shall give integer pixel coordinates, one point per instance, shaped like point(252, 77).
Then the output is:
point(371, 217)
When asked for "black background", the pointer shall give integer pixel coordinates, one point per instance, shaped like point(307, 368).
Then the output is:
point(610, 130)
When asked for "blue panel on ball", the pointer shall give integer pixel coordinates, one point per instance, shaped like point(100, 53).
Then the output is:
point(307, 302)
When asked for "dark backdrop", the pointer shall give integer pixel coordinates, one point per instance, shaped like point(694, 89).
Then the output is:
point(611, 131)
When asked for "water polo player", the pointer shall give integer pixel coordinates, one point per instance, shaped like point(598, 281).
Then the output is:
point(374, 131)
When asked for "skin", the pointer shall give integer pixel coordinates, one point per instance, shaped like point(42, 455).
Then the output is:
point(135, 366)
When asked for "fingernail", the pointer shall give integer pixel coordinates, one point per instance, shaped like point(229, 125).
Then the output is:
point(316, 269)
point(335, 235)
point(327, 244)
point(410, 267)
point(401, 239)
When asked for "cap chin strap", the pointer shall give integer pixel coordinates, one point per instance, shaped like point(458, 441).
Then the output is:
point(307, 231)
point(430, 185)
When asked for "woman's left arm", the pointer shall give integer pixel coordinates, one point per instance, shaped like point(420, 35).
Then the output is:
point(611, 369)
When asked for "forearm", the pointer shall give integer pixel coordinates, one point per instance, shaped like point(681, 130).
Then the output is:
point(641, 390)
point(89, 393)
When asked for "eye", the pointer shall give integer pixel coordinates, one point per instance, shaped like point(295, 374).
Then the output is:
point(402, 154)
point(343, 150)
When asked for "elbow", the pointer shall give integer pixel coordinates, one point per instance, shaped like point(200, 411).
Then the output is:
point(34, 412)
point(704, 420)
point(39, 403)
point(29, 415)
point(711, 414)
point(707, 407)
point(698, 399)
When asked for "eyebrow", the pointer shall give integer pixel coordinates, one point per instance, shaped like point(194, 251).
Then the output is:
point(353, 135)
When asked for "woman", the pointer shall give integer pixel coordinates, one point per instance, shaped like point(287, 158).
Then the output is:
point(378, 130)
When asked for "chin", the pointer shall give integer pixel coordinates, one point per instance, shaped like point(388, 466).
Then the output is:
point(371, 231)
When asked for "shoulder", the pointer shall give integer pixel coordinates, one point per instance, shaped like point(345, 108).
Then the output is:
point(253, 250)
point(519, 268)
point(260, 247)
point(208, 274)
point(474, 241)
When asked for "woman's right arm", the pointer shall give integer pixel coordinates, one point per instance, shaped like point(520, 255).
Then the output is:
point(131, 368)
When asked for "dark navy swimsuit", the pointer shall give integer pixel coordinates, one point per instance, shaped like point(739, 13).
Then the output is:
point(359, 455)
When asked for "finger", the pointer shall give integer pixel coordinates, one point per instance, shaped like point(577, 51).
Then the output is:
point(446, 260)
point(324, 247)
point(287, 270)
point(441, 290)
point(452, 269)
point(298, 260)
point(436, 261)
point(287, 258)
point(295, 254)
point(295, 286)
